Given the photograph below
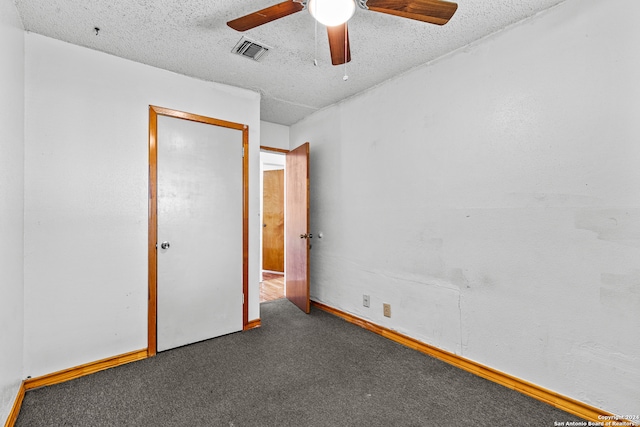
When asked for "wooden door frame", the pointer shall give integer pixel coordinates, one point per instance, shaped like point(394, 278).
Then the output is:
point(274, 150)
point(154, 112)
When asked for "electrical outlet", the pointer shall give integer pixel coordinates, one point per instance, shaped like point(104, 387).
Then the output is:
point(365, 300)
point(386, 310)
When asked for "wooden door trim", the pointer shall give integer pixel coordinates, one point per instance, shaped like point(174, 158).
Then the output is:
point(154, 112)
point(276, 150)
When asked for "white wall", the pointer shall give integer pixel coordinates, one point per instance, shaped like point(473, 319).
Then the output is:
point(493, 199)
point(11, 204)
point(86, 180)
point(273, 135)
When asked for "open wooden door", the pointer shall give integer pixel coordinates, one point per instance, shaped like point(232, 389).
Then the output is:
point(297, 227)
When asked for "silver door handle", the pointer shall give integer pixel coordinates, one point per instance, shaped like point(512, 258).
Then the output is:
point(165, 245)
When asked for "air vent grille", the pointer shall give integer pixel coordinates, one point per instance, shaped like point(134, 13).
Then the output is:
point(250, 49)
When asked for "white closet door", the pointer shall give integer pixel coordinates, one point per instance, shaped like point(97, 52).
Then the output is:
point(200, 251)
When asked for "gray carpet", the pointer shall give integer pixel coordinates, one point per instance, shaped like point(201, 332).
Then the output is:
point(296, 370)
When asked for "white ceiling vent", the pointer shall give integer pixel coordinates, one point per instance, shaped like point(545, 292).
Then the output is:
point(250, 49)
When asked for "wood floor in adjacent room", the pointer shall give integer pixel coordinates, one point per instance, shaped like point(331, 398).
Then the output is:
point(271, 287)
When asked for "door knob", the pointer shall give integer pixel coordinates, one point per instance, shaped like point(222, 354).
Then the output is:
point(165, 245)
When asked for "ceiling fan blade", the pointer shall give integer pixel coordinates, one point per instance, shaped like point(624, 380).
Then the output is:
point(433, 11)
point(339, 44)
point(263, 16)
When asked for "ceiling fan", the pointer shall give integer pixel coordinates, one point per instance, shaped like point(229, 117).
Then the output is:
point(334, 14)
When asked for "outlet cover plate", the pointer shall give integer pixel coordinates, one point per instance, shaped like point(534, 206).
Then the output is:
point(386, 310)
point(365, 300)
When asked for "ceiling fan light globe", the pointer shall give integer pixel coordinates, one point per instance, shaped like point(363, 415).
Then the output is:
point(332, 12)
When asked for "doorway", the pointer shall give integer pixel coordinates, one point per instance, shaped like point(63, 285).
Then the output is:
point(297, 234)
point(272, 214)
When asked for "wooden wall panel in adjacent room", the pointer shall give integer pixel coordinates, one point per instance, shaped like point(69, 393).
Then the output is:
point(273, 221)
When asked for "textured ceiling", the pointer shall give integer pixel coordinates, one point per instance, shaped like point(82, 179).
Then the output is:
point(191, 37)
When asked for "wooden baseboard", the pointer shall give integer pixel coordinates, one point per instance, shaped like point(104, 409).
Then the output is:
point(256, 323)
point(82, 370)
point(564, 403)
point(15, 409)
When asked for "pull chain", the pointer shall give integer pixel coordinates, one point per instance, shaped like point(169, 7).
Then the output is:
point(346, 45)
point(315, 39)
